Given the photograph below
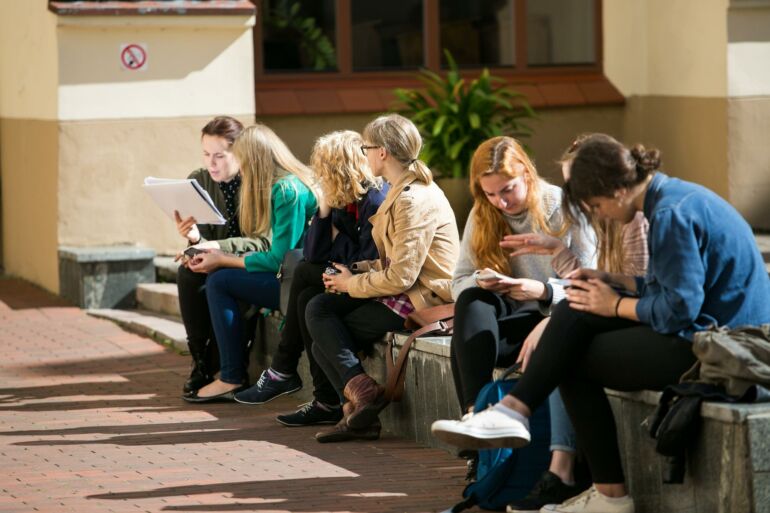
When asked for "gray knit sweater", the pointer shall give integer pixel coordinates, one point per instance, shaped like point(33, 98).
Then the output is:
point(580, 240)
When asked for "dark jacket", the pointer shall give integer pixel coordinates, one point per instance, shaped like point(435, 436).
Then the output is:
point(218, 232)
point(354, 240)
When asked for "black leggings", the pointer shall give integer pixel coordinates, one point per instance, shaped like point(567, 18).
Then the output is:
point(488, 332)
point(194, 309)
point(306, 283)
point(582, 354)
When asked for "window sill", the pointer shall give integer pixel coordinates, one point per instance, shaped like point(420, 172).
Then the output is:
point(308, 94)
point(152, 8)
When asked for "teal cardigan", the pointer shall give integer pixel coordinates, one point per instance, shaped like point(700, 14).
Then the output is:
point(293, 204)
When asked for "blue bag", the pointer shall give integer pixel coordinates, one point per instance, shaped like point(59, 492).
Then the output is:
point(506, 475)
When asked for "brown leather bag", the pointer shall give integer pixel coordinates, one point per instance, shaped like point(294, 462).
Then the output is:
point(435, 320)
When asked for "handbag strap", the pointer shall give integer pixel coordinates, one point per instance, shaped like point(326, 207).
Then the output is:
point(396, 371)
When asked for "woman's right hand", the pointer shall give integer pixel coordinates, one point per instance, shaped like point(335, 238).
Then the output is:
point(531, 244)
point(187, 228)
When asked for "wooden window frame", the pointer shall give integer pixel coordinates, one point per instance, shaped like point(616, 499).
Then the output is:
point(345, 77)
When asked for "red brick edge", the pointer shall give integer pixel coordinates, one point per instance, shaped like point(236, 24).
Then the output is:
point(152, 8)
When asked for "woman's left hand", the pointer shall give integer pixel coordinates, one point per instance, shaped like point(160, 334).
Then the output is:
point(524, 289)
point(592, 296)
point(206, 262)
point(338, 282)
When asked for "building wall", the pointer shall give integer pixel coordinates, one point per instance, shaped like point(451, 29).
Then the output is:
point(29, 141)
point(748, 120)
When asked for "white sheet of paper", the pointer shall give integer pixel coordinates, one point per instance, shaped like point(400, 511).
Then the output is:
point(185, 196)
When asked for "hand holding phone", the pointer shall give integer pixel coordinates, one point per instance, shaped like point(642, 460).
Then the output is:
point(192, 251)
point(559, 281)
point(488, 275)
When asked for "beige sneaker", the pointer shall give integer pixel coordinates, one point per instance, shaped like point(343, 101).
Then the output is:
point(486, 429)
point(591, 501)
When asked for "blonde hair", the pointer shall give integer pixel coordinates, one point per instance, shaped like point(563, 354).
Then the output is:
point(499, 155)
point(401, 140)
point(609, 233)
point(264, 159)
point(341, 168)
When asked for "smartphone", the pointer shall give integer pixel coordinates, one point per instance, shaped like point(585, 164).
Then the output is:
point(192, 251)
point(490, 275)
point(331, 270)
point(559, 281)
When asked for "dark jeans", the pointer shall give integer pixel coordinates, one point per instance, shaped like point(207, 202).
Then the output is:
point(195, 315)
point(488, 333)
point(224, 289)
point(305, 285)
point(342, 326)
point(584, 353)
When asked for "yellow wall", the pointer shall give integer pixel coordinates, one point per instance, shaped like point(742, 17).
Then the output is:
point(28, 60)
point(196, 66)
point(29, 202)
point(29, 141)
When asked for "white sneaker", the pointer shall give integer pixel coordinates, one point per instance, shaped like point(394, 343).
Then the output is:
point(591, 501)
point(486, 429)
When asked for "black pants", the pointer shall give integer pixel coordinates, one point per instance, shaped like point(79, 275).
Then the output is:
point(584, 353)
point(488, 333)
point(305, 285)
point(341, 327)
point(195, 315)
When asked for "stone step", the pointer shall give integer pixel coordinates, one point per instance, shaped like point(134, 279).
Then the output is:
point(165, 269)
point(167, 330)
point(161, 298)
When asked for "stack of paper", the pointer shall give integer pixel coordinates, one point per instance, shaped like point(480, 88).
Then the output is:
point(186, 197)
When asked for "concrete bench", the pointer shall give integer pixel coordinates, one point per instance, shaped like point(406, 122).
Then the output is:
point(729, 471)
point(104, 276)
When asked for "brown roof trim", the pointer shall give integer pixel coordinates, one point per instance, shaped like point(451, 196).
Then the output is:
point(152, 8)
point(302, 97)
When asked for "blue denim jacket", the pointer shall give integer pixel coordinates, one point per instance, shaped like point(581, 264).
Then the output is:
point(705, 268)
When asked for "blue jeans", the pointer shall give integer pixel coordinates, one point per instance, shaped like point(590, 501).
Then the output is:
point(224, 288)
point(562, 432)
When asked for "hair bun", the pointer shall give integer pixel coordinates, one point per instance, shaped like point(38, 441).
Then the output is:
point(647, 161)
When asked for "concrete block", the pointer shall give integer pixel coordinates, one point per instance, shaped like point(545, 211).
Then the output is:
point(104, 277)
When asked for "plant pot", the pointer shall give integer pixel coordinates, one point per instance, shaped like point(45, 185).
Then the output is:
point(458, 193)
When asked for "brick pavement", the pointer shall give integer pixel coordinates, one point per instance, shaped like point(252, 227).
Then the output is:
point(91, 420)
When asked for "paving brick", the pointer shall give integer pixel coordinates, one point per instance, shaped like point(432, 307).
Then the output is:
point(91, 420)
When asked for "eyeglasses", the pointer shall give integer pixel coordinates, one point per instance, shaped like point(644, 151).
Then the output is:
point(365, 147)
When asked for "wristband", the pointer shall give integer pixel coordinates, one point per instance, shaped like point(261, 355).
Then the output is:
point(617, 305)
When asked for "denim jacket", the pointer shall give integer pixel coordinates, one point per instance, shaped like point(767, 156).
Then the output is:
point(705, 268)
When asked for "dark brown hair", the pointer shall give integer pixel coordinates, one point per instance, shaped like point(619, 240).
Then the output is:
point(601, 165)
point(225, 127)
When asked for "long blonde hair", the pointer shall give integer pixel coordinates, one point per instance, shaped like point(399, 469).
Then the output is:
point(499, 155)
point(402, 140)
point(264, 159)
point(341, 168)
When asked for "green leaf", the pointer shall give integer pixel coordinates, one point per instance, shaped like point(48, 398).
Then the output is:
point(474, 120)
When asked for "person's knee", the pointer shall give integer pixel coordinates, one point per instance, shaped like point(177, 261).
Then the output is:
point(217, 283)
point(472, 295)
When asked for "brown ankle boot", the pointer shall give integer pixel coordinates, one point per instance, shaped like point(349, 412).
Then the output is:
point(367, 400)
point(341, 432)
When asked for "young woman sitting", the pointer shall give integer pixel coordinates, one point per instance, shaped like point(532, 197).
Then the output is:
point(339, 232)
point(416, 236)
point(629, 333)
point(277, 196)
point(221, 179)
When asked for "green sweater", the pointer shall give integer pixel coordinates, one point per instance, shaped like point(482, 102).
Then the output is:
point(293, 204)
point(219, 232)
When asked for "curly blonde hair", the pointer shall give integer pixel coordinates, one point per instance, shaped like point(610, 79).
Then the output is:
point(341, 168)
point(500, 155)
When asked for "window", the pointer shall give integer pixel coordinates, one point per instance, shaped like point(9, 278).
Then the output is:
point(349, 37)
point(346, 56)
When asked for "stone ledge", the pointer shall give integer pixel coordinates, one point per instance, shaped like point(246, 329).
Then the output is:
point(105, 253)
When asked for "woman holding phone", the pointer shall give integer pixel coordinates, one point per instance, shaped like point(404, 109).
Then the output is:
point(704, 270)
point(221, 179)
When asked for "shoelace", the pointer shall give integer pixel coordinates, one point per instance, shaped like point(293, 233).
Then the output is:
point(582, 498)
point(305, 408)
point(262, 379)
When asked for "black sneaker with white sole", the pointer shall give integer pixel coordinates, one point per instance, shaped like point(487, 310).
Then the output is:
point(310, 414)
point(550, 489)
point(266, 389)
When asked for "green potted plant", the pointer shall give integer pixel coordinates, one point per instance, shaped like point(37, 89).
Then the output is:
point(454, 116)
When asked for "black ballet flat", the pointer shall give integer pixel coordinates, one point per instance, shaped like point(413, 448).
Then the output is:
point(193, 397)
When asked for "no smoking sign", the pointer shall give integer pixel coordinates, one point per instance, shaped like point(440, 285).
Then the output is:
point(133, 56)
